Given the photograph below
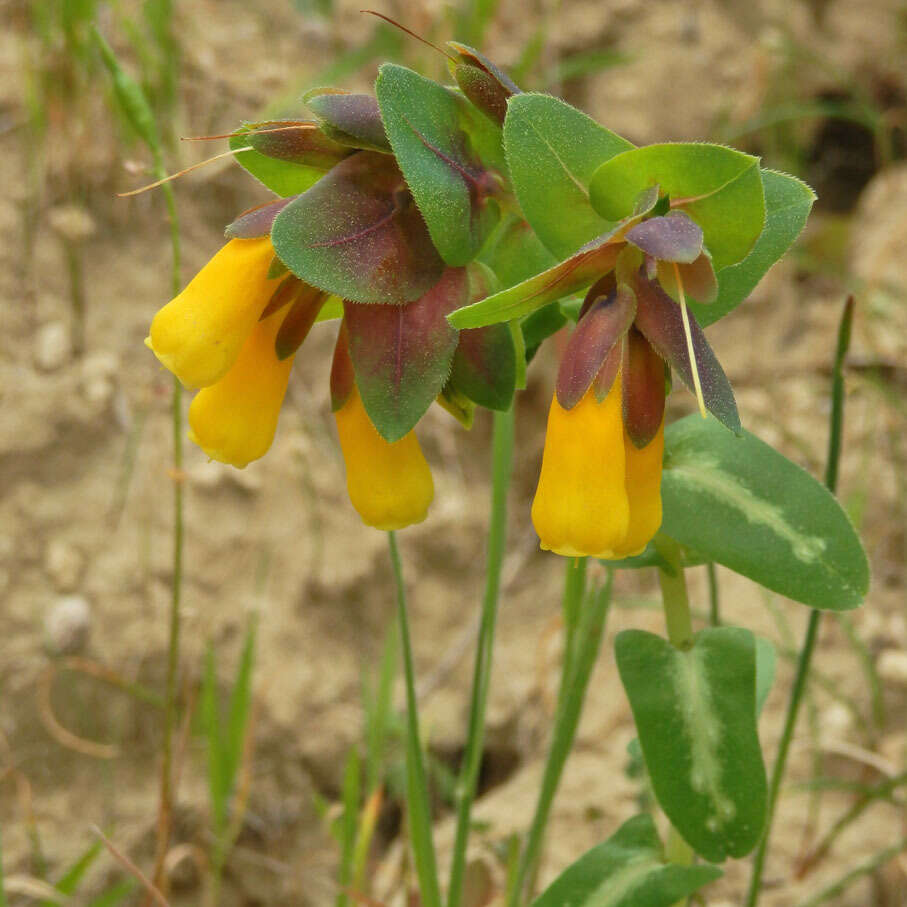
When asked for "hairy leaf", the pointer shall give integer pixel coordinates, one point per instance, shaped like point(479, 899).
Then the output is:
point(358, 234)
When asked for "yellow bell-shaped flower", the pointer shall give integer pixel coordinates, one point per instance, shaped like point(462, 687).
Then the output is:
point(598, 495)
point(643, 484)
point(389, 484)
point(234, 420)
point(581, 506)
point(199, 334)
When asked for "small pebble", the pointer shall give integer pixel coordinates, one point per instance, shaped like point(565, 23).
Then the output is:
point(97, 379)
point(68, 625)
point(64, 564)
point(52, 346)
point(892, 666)
point(837, 721)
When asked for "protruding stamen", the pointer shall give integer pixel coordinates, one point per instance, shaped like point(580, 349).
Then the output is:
point(173, 176)
point(694, 368)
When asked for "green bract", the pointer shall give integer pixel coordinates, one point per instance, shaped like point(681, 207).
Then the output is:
point(787, 205)
point(281, 177)
point(425, 123)
point(721, 189)
point(553, 150)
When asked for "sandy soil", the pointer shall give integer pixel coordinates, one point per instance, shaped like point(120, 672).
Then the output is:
point(85, 484)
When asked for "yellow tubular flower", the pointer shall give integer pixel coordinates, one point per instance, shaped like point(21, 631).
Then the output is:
point(581, 506)
point(199, 334)
point(390, 485)
point(644, 493)
point(234, 420)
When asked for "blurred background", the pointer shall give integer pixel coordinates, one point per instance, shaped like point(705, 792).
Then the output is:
point(818, 88)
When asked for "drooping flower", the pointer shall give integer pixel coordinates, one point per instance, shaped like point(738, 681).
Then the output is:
point(198, 334)
point(599, 490)
point(389, 483)
point(233, 333)
point(234, 420)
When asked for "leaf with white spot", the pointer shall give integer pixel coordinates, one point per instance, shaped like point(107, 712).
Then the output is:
point(695, 713)
point(739, 502)
point(627, 870)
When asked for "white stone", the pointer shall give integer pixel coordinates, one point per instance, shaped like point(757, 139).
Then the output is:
point(892, 666)
point(97, 379)
point(837, 721)
point(64, 564)
point(68, 624)
point(52, 346)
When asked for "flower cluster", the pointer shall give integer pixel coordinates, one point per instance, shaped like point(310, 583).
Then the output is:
point(394, 214)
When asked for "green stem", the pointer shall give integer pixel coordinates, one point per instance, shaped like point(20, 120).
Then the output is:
point(417, 805)
point(571, 607)
point(588, 634)
point(836, 427)
point(501, 470)
point(714, 599)
point(674, 594)
point(165, 817)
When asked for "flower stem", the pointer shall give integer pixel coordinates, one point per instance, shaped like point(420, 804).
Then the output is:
point(165, 814)
point(674, 594)
point(587, 634)
point(714, 598)
point(804, 661)
point(501, 470)
point(572, 602)
point(417, 805)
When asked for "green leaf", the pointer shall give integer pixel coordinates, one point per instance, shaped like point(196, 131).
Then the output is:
point(723, 189)
point(740, 503)
point(787, 205)
point(209, 713)
point(69, 882)
point(765, 671)
point(240, 705)
point(130, 97)
point(553, 150)
point(357, 234)
point(627, 870)
point(695, 714)
point(281, 177)
point(540, 326)
point(349, 821)
point(514, 252)
point(484, 366)
point(424, 122)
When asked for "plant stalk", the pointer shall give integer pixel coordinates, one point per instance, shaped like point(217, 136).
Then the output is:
point(835, 434)
point(417, 805)
point(674, 596)
point(587, 633)
point(165, 814)
point(501, 470)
